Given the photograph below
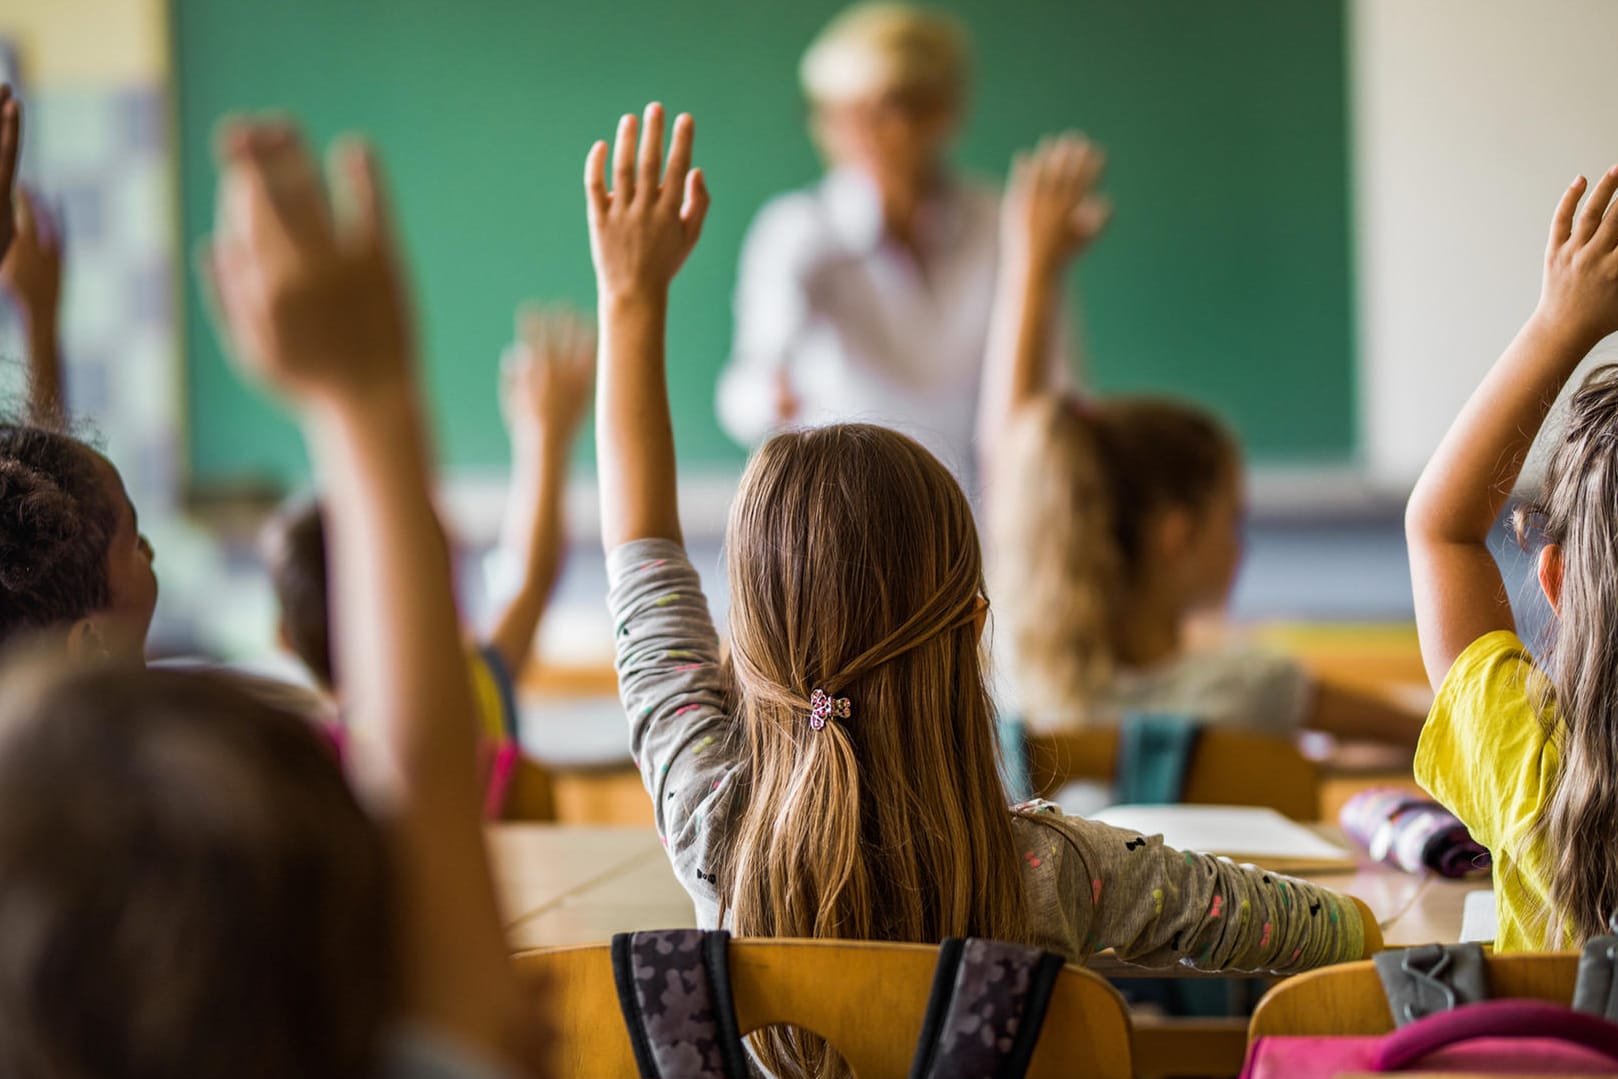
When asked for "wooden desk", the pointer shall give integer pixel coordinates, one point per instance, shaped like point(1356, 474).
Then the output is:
point(573, 884)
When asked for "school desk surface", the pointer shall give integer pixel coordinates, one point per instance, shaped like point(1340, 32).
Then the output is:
point(575, 884)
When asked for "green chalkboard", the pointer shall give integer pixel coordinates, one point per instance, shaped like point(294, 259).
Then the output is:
point(1225, 275)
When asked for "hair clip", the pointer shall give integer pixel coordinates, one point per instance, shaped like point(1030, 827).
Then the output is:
point(822, 708)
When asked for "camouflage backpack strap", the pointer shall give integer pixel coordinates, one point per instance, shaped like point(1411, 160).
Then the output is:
point(987, 1006)
point(674, 990)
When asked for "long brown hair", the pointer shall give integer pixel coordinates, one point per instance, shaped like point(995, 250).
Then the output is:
point(187, 887)
point(1075, 488)
point(1578, 698)
point(855, 569)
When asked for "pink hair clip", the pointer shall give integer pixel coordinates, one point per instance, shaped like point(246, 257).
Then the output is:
point(822, 708)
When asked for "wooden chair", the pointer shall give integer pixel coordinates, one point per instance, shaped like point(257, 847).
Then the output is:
point(1348, 999)
point(1227, 767)
point(865, 997)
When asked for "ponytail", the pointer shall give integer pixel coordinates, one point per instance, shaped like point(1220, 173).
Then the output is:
point(855, 570)
point(1075, 490)
point(1061, 571)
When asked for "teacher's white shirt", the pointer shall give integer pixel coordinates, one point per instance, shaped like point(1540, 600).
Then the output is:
point(864, 332)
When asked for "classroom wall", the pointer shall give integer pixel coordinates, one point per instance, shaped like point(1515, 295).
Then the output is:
point(1470, 117)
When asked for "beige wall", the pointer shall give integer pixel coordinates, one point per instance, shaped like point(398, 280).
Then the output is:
point(88, 41)
point(1470, 117)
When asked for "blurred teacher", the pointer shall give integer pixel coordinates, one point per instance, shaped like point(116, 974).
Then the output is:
point(867, 296)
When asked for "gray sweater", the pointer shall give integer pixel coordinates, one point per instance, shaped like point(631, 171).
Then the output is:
point(1089, 886)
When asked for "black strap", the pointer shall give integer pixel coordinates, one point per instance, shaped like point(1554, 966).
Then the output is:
point(1432, 978)
point(982, 984)
point(1596, 991)
point(674, 992)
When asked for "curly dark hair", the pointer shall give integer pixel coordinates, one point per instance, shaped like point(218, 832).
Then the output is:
point(56, 523)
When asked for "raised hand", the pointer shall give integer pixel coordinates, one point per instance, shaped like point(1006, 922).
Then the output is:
point(643, 228)
point(10, 149)
point(31, 272)
point(311, 298)
point(1579, 292)
point(1051, 211)
point(548, 374)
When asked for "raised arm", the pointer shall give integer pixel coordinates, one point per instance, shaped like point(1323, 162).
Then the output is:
point(640, 234)
point(10, 149)
point(1051, 213)
point(314, 306)
point(544, 389)
point(1458, 590)
point(31, 274)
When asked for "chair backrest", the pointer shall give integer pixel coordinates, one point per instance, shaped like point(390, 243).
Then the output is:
point(1228, 767)
point(867, 998)
point(1349, 999)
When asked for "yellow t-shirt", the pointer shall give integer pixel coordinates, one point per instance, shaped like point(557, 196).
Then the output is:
point(1485, 754)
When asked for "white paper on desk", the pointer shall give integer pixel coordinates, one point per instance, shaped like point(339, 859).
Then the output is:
point(1478, 919)
point(1242, 832)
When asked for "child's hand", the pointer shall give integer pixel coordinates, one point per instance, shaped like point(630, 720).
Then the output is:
point(310, 299)
point(1051, 211)
point(32, 270)
point(547, 375)
point(642, 231)
point(1580, 290)
point(10, 147)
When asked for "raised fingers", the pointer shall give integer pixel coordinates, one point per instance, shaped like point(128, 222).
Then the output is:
point(679, 158)
point(694, 207)
point(595, 179)
point(1562, 219)
point(1607, 232)
point(356, 179)
point(1595, 206)
point(651, 152)
point(623, 160)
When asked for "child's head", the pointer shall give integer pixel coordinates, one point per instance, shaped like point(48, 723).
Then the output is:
point(887, 85)
point(71, 553)
point(187, 886)
point(1577, 518)
point(854, 569)
point(1100, 509)
point(295, 548)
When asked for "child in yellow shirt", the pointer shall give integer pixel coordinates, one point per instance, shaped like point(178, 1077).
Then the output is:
point(1522, 752)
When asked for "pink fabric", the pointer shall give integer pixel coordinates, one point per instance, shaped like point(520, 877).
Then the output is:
point(1497, 1037)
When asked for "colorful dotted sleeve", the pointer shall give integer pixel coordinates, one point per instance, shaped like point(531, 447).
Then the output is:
point(673, 693)
point(1157, 906)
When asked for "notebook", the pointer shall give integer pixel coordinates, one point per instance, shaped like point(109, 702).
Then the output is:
point(1478, 919)
point(1242, 833)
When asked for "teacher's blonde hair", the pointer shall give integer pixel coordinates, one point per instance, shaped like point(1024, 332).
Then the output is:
point(877, 48)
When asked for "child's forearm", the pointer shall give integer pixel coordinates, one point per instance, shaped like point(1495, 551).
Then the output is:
point(1464, 487)
point(45, 404)
point(405, 679)
point(634, 432)
point(1020, 330)
point(535, 534)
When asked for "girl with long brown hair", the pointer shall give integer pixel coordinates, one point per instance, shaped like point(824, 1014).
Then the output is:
point(1115, 521)
point(839, 778)
point(1523, 751)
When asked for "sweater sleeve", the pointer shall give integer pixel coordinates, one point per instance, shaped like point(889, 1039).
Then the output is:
point(673, 692)
point(1157, 906)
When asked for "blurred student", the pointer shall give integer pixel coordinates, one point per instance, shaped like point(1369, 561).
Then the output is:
point(840, 776)
point(1114, 521)
point(1522, 751)
point(866, 297)
point(546, 381)
point(182, 865)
